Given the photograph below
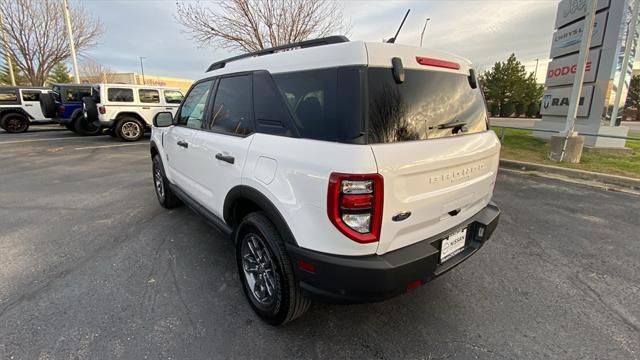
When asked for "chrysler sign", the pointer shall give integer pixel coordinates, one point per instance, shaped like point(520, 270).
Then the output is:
point(562, 71)
point(571, 10)
point(555, 101)
point(567, 40)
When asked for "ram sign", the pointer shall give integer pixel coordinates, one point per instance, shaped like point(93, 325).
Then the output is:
point(555, 101)
point(562, 71)
point(567, 40)
point(570, 10)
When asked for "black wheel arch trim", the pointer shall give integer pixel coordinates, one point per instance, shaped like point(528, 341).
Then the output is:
point(248, 193)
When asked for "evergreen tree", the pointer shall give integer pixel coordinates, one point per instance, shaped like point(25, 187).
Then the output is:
point(5, 77)
point(60, 74)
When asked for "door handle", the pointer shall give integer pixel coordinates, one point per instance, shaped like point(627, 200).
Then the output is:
point(184, 144)
point(168, 108)
point(146, 107)
point(226, 158)
point(28, 104)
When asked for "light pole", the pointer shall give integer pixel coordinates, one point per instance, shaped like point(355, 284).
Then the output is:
point(72, 45)
point(142, 69)
point(423, 29)
point(8, 53)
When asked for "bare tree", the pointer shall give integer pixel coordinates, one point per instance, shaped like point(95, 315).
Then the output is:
point(250, 25)
point(93, 72)
point(37, 35)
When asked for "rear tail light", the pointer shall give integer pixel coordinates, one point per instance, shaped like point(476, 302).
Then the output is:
point(354, 205)
point(102, 110)
point(60, 109)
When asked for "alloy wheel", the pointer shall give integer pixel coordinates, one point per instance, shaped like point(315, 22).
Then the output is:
point(130, 130)
point(259, 270)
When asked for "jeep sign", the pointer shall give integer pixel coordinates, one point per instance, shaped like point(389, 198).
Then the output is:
point(555, 101)
point(562, 71)
point(567, 40)
point(570, 10)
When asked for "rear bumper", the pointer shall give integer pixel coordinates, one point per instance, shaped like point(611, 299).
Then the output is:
point(351, 279)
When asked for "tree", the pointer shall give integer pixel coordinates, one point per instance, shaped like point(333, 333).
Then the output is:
point(632, 105)
point(5, 77)
point(250, 25)
point(507, 84)
point(94, 72)
point(60, 74)
point(37, 35)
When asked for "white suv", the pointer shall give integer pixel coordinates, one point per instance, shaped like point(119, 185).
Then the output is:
point(127, 110)
point(20, 107)
point(344, 170)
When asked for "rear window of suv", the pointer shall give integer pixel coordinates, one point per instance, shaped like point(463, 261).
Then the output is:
point(427, 105)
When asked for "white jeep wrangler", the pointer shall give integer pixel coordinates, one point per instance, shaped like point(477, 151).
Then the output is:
point(127, 110)
point(345, 171)
point(20, 107)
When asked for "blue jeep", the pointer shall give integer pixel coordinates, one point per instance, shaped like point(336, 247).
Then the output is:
point(65, 107)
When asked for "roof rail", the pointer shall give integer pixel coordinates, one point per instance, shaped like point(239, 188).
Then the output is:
point(298, 45)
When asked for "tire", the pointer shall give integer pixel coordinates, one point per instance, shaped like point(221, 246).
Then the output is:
point(83, 126)
point(90, 111)
point(71, 127)
point(14, 123)
point(263, 265)
point(48, 105)
point(129, 129)
point(165, 196)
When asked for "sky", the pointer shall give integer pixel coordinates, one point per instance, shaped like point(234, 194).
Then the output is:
point(484, 31)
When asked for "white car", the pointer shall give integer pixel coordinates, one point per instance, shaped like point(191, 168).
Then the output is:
point(127, 110)
point(345, 171)
point(20, 107)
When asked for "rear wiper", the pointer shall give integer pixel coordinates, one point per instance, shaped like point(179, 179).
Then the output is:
point(453, 124)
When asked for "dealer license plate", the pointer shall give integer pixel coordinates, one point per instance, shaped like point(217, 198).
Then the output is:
point(453, 245)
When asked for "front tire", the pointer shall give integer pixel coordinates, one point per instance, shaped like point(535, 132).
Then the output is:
point(129, 129)
point(14, 123)
point(165, 196)
point(266, 272)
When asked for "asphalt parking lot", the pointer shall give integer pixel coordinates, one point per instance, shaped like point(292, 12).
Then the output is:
point(93, 268)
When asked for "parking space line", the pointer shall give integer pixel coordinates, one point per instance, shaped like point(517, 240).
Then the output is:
point(33, 140)
point(107, 146)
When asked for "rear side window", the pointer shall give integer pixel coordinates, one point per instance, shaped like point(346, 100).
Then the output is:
point(149, 96)
point(192, 110)
point(30, 95)
point(233, 110)
point(172, 97)
point(427, 105)
point(76, 95)
point(8, 95)
point(325, 104)
point(120, 95)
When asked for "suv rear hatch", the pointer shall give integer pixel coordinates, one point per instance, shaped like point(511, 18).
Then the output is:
point(429, 137)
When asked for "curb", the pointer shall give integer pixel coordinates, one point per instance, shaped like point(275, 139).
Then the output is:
point(602, 179)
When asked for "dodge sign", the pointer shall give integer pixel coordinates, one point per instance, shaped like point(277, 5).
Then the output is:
point(562, 71)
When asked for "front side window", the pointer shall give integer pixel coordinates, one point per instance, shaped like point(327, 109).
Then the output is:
point(192, 110)
point(149, 96)
point(427, 105)
point(76, 95)
point(8, 95)
point(173, 96)
point(120, 95)
point(30, 95)
point(233, 110)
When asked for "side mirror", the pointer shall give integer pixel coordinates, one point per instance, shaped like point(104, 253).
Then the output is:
point(163, 119)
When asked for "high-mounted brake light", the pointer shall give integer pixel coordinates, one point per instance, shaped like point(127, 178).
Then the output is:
point(354, 205)
point(437, 63)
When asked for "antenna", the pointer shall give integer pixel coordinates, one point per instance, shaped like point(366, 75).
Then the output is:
point(393, 39)
point(423, 29)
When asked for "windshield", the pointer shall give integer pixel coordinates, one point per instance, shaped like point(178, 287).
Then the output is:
point(427, 105)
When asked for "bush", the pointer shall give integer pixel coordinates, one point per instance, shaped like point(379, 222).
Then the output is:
point(495, 110)
point(533, 109)
point(507, 109)
point(521, 109)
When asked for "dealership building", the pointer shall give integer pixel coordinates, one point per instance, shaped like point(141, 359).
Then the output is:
point(137, 79)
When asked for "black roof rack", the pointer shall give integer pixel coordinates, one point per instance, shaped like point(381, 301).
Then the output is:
point(302, 44)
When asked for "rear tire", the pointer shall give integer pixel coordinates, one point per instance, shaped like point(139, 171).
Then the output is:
point(129, 129)
point(14, 123)
point(166, 197)
point(48, 105)
point(266, 272)
point(71, 127)
point(84, 126)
